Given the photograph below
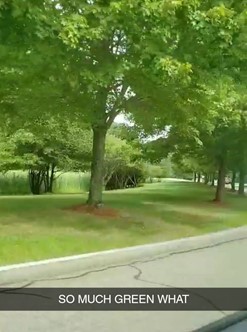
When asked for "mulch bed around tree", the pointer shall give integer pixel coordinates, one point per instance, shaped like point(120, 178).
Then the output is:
point(96, 211)
point(219, 204)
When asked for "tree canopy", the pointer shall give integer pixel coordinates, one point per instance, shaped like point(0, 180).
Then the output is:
point(78, 64)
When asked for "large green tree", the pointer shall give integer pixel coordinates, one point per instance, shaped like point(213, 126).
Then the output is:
point(101, 58)
point(45, 147)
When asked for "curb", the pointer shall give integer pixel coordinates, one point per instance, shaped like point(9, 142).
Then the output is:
point(225, 323)
point(68, 266)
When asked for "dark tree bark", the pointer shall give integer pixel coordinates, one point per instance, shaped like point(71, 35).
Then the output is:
point(199, 177)
point(51, 178)
point(221, 182)
point(206, 178)
point(36, 180)
point(233, 181)
point(241, 182)
point(46, 179)
point(213, 180)
point(194, 177)
point(97, 167)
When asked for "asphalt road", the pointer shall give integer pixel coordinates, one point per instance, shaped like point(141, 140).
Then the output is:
point(240, 327)
point(219, 266)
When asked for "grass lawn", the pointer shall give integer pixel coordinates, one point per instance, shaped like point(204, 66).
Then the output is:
point(33, 228)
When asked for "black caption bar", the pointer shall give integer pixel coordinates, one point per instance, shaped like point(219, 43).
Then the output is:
point(123, 299)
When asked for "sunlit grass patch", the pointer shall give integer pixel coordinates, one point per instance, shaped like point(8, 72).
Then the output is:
point(34, 228)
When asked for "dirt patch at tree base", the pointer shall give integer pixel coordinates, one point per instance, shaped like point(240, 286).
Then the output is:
point(219, 203)
point(96, 211)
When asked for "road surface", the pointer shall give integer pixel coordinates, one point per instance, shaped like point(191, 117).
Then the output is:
point(240, 327)
point(220, 266)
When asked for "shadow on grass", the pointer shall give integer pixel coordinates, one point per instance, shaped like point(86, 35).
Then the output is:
point(48, 211)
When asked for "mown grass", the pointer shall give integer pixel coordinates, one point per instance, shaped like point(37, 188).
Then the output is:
point(33, 228)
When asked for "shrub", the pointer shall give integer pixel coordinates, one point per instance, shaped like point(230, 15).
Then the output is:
point(125, 177)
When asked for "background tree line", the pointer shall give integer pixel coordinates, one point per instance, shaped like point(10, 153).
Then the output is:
point(69, 68)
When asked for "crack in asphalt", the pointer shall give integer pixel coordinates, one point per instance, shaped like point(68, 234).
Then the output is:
point(12, 292)
point(137, 276)
point(140, 272)
point(157, 258)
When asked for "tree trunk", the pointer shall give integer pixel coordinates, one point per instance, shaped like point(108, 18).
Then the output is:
point(97, 167)
point(199, 177)
point(241, 182)
point(233, 188)
point(51, 178)
point(221, 182)
point(107, 178)
point(194, 177)
point(213, 180)
point(36, 180)
point(46, 179)
point(206, 178)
